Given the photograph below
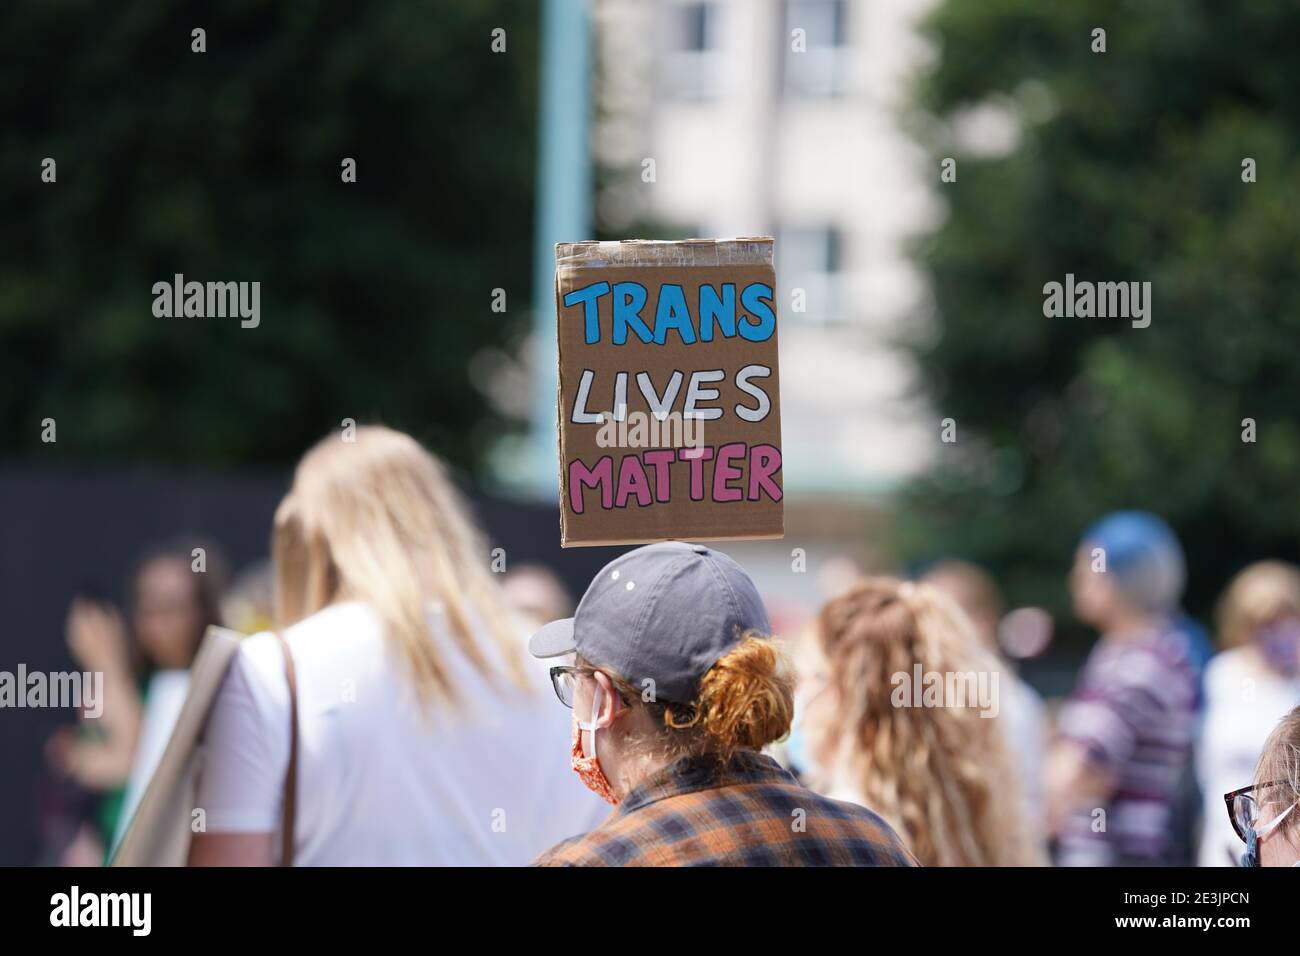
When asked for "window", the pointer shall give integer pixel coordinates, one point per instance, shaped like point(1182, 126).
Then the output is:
point(692, 67)
point(809, 264)
point(817, 59)
point(695, 26)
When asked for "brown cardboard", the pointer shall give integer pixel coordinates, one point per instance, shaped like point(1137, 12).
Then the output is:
point(654, 497)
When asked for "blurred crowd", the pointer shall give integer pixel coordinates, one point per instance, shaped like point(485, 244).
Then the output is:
point(423, 717)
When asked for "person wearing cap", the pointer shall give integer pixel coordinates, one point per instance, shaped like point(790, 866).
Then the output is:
point(676, 687)
point(1117, 775)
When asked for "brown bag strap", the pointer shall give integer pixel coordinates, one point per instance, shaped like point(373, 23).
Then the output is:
point(291, 774)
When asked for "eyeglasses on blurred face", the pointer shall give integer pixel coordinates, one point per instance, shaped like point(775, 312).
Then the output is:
point(1243, 807)
point(565, 681)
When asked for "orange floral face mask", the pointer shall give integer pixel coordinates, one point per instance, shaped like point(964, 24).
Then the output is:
point(588, 768)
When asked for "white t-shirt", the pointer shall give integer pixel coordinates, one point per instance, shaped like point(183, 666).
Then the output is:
point(1024, 722)
point(1244, 700)
point(380, 782)
point(162, 706)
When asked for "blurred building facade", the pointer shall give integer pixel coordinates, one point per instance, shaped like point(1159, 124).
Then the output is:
point(721, 118)
point(717, 118)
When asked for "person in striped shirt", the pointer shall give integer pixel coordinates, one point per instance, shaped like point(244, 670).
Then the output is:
point(1116, 772)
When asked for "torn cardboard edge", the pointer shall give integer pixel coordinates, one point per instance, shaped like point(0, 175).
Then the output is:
point(744, 251)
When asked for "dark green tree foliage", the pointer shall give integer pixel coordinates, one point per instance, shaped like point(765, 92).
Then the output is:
point(226, 165)
point(1129, 168)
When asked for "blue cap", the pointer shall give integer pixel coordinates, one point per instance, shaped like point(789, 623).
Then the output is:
point(1143, 556)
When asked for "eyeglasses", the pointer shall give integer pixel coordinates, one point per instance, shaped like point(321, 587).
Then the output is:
point(565, 681)
point(1243, 808)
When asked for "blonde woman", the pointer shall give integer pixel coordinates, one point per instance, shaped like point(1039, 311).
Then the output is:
point(904, 719)
point(675, 689)
point(1248, 687)
point(424, 731)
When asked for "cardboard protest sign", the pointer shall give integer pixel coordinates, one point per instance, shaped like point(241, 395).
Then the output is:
point(669, 402)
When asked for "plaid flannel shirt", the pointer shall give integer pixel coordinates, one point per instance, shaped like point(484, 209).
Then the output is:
point(744, 812)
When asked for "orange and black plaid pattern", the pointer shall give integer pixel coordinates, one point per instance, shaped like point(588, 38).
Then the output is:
point(746, 811)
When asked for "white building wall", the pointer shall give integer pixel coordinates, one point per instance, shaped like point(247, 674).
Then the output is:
point(707, 92)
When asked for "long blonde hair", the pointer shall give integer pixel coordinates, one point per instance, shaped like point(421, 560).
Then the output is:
point(377, 520)
point(941, 775)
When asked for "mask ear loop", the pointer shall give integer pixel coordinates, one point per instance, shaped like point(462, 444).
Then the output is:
point(1255, 837)
point(1265, 830)
point(591, 725)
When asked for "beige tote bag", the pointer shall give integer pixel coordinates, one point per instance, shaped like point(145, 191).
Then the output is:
point(160, 830)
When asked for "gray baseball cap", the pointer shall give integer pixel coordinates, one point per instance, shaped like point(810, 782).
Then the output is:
point(665, 612)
